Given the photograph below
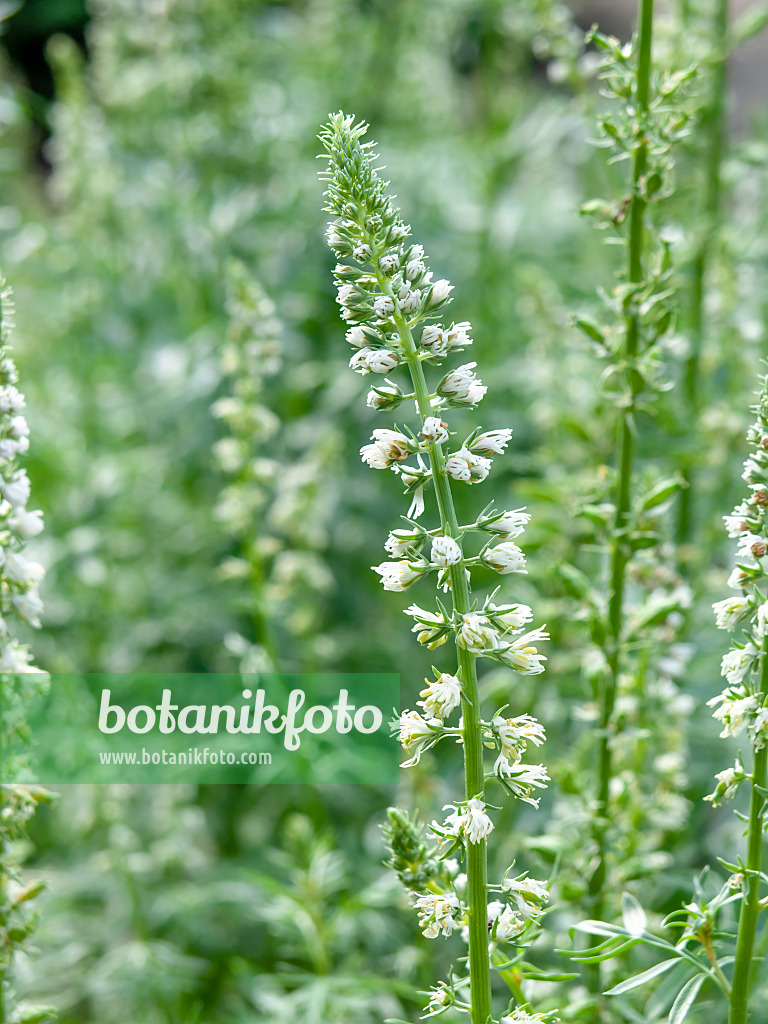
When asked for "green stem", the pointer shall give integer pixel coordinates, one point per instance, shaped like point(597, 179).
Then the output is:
point(713, 126)
point(474, 776)
point(750, 904)
point(619, 555)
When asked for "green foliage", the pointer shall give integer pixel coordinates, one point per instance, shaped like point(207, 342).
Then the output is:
point(183, 191)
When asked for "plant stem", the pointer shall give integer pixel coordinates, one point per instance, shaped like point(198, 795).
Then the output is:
point(750, 904)
point(619, 555)
point(713, 127)
point(474, 775)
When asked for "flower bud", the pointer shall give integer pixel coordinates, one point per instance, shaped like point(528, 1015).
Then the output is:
point(434, 430)
point(505, 558)
point(389, 263)
point(445, 551)
point(439, 292)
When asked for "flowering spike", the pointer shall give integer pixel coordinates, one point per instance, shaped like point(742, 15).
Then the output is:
point(387, 294)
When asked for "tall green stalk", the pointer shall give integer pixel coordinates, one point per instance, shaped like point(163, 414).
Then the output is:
point(713, 129)
point(619, 553)
point(750, 906)
point(474, 774)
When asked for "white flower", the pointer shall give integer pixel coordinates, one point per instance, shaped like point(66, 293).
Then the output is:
point(738, 579)
point(11, 399)
point(738, 663)
point(362, 253)
point(753, 472)
point(15, 658)
point(520, 888)
point(434, 430)
point(399, 541)
point(414, 269)
point(18, 570)
point(430, 627)
point(761, 621)
point(503, 922)
point(513, 616)
point(347, 295)
point(492, 442)
point(10, 448)
point(505, 558)
point(439, 292)
point(411, 302)
point(515, 733)
point(734, 712)
point(442, 696)
point(476, 633)
point(19, 427)
point(16, 490)
point(396, 576)
point(445, 551)
point(383, 397)
point(388, 446)
point(737, 524)
point(457, 336)
point(509, 525)
point(751, 544)
point(383, 307)
point(462, 386)
point(522, 778)
point(522, 655)
point(376, 360)
point(26, 524)
point(522, 1017)
point(356, 336)
point(382, 360)
point(439, 999)
point(438, 914)
point(467, 467)
point(359, 361)
point(730, 611)
point(389, 263)
point(434, 339)
point(729, 781)
point(475, 823)
point(415, 732)
point(29, 606)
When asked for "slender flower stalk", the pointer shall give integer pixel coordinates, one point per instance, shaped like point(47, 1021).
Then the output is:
point(393, 306)
point(619, 553)
point(278, 566)
point(713, 128)
point(743, 705)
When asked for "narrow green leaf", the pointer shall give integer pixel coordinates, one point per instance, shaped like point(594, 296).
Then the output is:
point(749, 25)
point(685, 999)
point(608, 954)
point(543, 976)
point(590, 329)
point(640, 979)
point(659, 494)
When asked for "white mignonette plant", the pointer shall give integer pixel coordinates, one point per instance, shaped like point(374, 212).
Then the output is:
point(395, 312)
point(19, 678)
point(703, 952)
point(742, 707)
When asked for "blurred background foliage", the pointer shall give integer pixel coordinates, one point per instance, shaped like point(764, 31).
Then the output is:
point(161, 225)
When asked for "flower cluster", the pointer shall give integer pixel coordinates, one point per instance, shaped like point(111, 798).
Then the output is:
point(743, 704)
point(19, 577)
point(395, 311)
point(278, 566)
point(20, 680)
